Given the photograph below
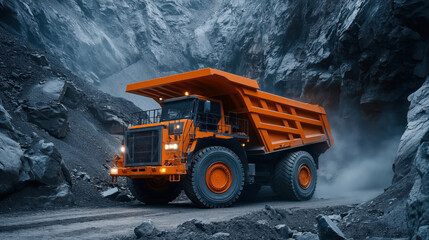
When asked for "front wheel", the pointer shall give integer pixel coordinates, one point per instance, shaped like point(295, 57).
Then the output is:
point(154, 190)
point(295, 176)
point(215, 178)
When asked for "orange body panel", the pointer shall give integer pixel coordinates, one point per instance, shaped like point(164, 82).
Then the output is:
point(279, 122)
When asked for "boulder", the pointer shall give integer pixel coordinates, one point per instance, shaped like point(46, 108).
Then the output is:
point(109, 117)
point(40, 59)
point(43, 164)
point(307, 236)
point(283, 230)
point(327, 230)
point(271, 212)
point(262, 222)
point(83, 175)
point(71, 96)
point(418, 120)
point(146, 229)
point(335, 217)
point(53, 117)
point(63, 194)
point(111, 193)
point(382, 238)
point(10, 164)
point(220, 235)
point(60, 194)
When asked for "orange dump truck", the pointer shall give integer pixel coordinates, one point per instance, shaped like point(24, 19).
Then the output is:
point(219, 138)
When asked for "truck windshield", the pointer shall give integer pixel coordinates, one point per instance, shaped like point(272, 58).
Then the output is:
point(181, 109)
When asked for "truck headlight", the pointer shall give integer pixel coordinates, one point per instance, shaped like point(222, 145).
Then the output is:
point(122, 149)
point(171, 146)
point(113, 171)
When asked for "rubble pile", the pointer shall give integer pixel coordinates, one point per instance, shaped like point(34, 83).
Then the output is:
point(50, 122)
point(268, 223)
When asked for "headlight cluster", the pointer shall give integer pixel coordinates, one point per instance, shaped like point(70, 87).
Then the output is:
point(114, 171)
point(171, 146)
point(122, 149)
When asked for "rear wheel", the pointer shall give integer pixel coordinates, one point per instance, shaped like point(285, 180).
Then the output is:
point(295, 176)
point(215, 177)
point(154, 190)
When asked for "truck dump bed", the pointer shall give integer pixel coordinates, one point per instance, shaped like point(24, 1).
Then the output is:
point(278, 122)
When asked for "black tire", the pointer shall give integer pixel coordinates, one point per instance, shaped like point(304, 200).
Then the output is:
point(250, 192)
point(195, 184)
point(151, 192)
point(285, 179)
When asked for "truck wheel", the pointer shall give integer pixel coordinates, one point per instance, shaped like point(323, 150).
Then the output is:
point(154, 190)
point(295, 176)
point(215, 178)
point(250, 192)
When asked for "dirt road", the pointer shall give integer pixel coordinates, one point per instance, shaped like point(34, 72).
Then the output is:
point(116, 222)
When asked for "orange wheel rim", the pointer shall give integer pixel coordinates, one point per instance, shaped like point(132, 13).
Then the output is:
point(218, 177)
point(304, 176)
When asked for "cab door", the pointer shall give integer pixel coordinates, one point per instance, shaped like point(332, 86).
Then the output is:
point(209, 115)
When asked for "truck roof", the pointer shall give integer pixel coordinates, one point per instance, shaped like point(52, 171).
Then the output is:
point(205, 82)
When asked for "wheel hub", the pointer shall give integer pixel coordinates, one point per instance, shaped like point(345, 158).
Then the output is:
point(218, 177)
point(304, 176)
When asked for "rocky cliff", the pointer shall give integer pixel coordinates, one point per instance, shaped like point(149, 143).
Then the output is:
point(414, 151)
point(366, 55)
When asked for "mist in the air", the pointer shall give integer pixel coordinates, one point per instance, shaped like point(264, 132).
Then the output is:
point(360, 161)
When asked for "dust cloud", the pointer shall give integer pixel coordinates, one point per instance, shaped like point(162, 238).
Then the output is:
point(360, 162)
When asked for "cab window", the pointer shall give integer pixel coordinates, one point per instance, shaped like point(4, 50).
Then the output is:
point(208, 115)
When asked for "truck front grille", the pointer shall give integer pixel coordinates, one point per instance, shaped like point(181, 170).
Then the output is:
point(143, 146)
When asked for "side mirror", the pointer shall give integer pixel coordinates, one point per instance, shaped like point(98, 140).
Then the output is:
point(207, 105)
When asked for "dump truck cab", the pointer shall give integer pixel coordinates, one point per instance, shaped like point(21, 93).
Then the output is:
point(160, 141)
point(219, 138)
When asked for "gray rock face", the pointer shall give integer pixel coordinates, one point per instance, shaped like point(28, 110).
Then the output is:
point(367, 55)
point(418, 202)
point(102, 44)
point(327, 230)
point(418, 124)
point(145, 229)
point(53, 117)
point(337, 57)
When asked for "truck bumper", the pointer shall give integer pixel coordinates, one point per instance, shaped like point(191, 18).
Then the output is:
point(147, 171)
